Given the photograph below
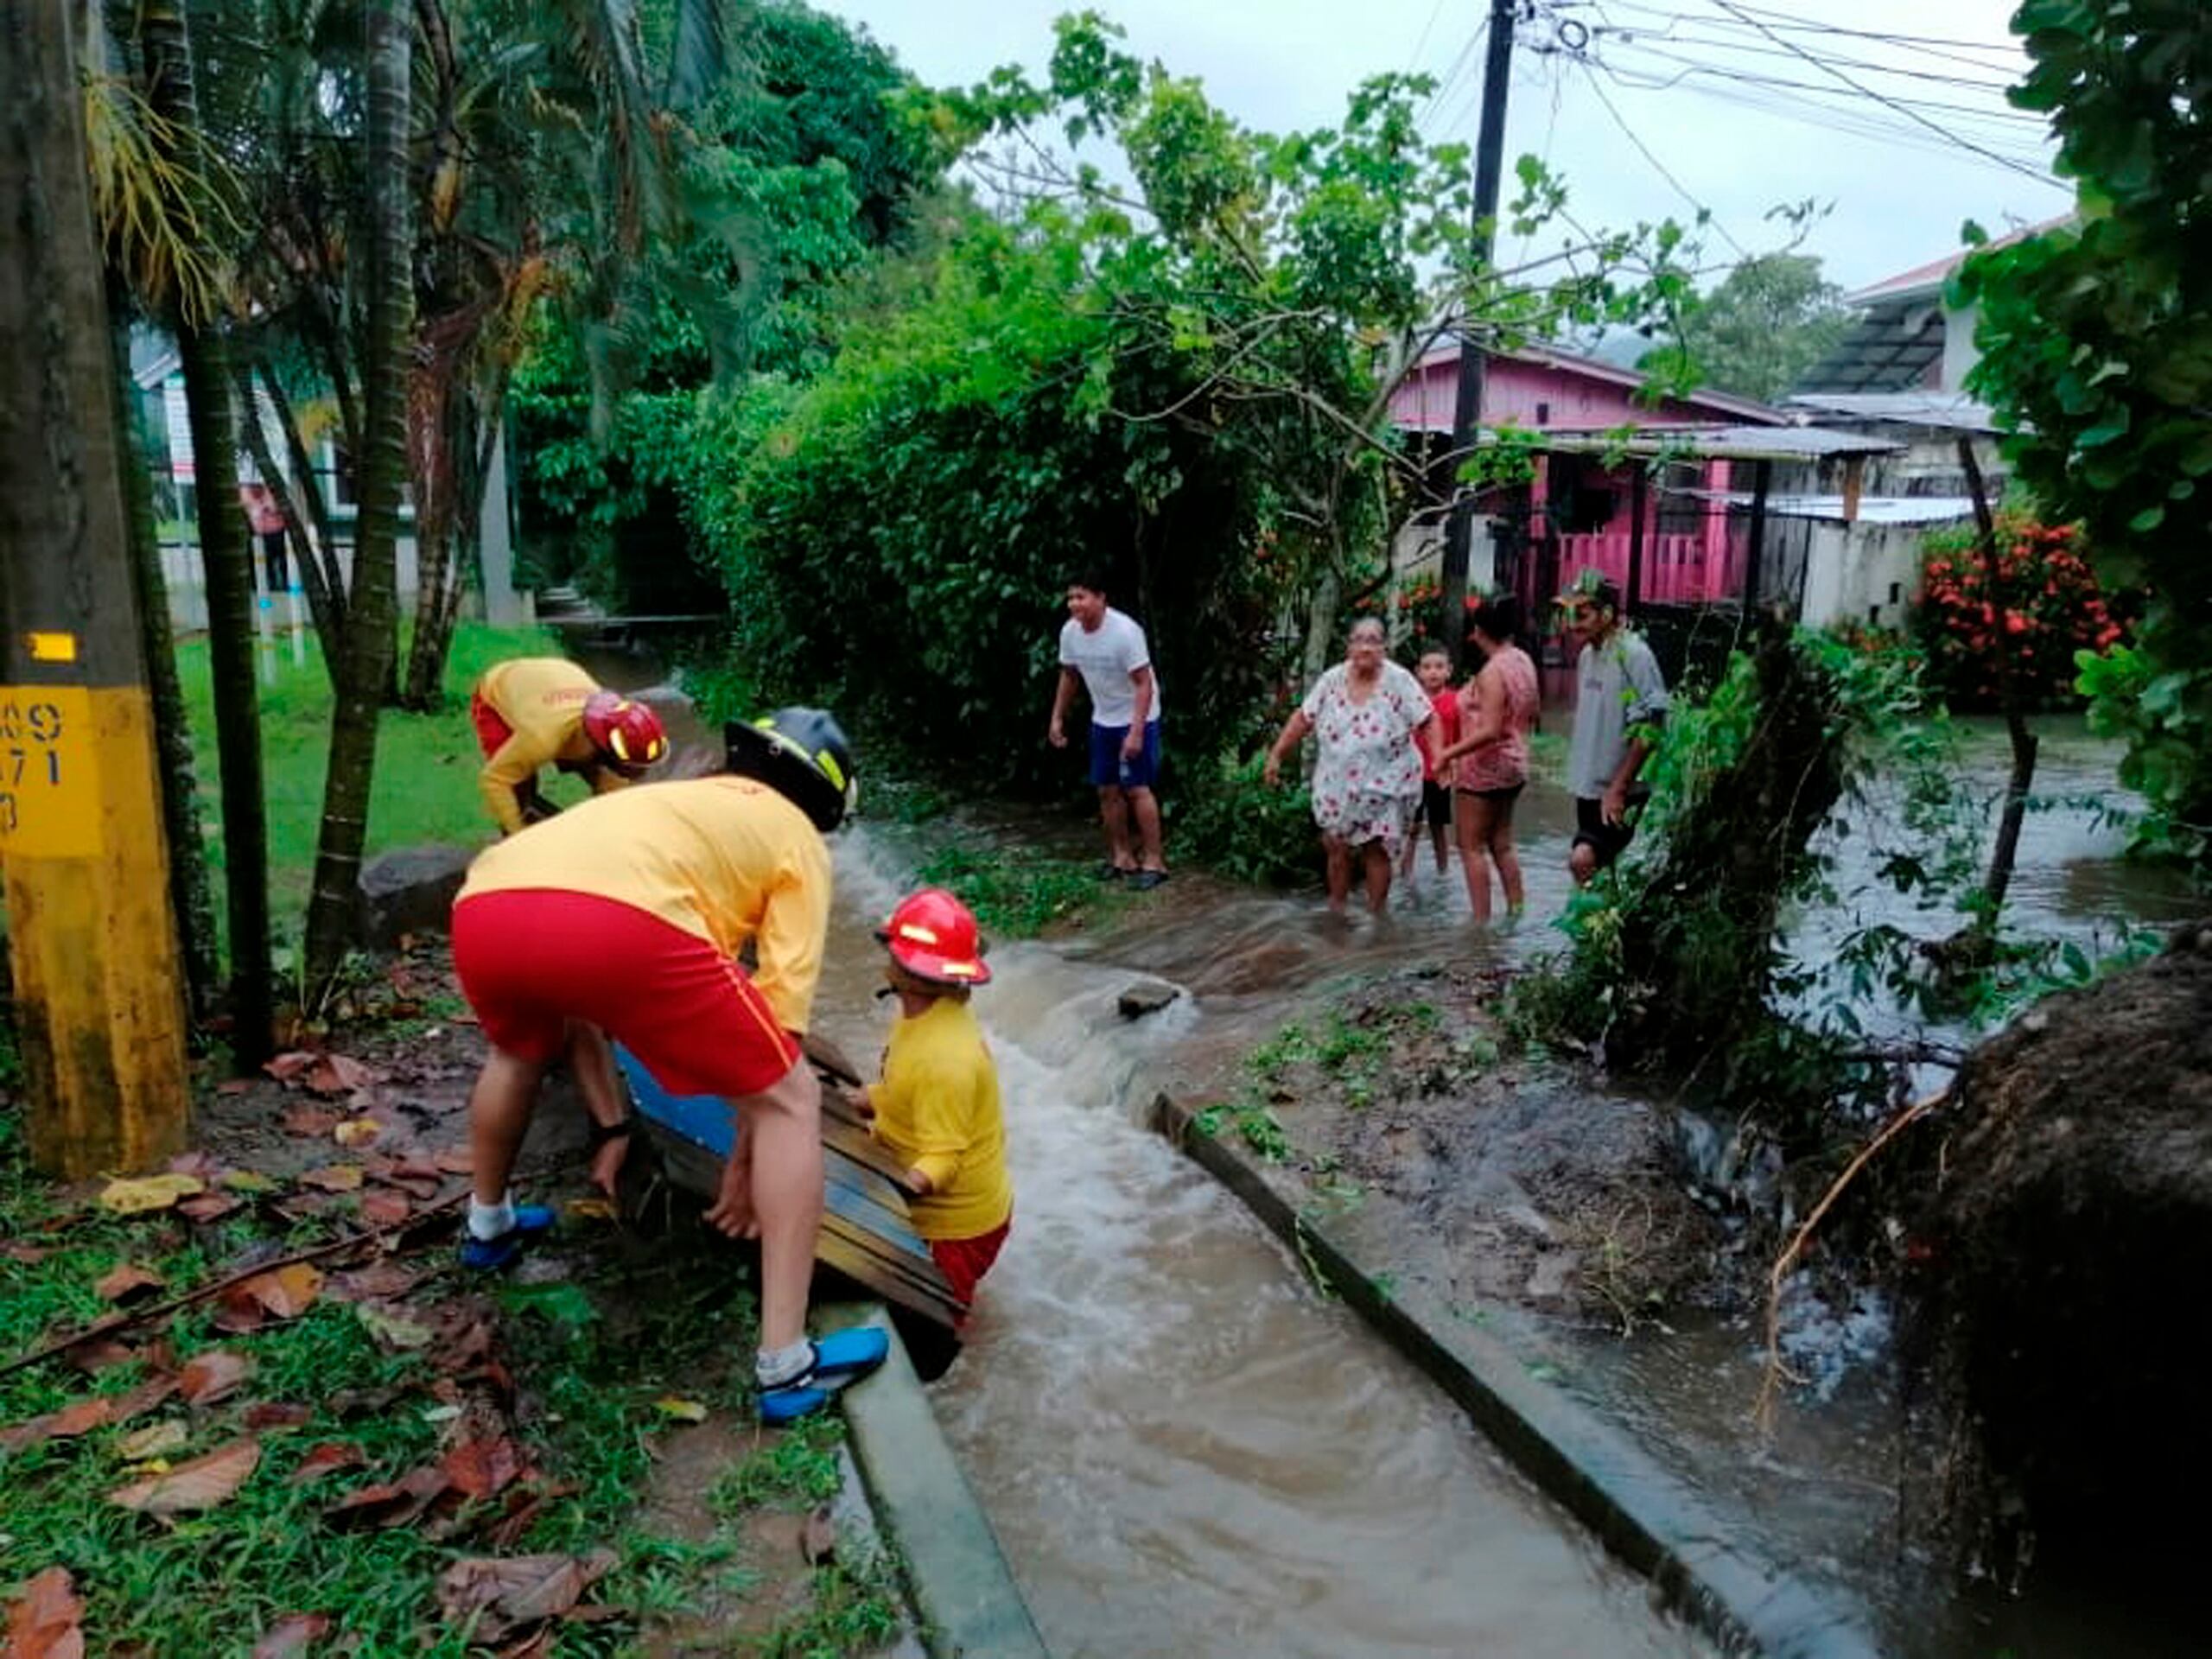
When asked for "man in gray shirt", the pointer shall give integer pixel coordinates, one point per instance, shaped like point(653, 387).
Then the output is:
point(1620, 700)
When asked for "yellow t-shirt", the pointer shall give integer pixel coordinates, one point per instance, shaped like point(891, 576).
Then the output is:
point(938, 1111)
point(728, 858)
point(543, 699)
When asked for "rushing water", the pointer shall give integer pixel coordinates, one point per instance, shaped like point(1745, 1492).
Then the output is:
point(1186, 1450)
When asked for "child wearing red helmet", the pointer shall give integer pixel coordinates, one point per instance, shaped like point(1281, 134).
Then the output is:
point(534, 712)
point(937, 1106)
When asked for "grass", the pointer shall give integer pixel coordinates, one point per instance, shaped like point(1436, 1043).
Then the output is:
point(590, 1356)
point(425, 785)
point(1018, 898)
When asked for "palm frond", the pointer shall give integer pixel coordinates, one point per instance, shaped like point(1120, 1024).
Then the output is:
point(698, 54)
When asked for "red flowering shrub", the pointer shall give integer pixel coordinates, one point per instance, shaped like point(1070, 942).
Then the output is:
point(2038, 607)
point(1420, 606)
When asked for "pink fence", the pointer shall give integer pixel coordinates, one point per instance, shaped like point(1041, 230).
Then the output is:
point(1677, 569)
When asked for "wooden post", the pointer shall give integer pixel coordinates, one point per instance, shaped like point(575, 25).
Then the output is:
point(99, 1006)
point(2002, 854)
point(1762, 476)
point(1635, 534)
point(1854, 481)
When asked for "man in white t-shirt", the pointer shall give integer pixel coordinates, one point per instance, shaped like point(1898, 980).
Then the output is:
point(1105, 651)
point(1620, 702)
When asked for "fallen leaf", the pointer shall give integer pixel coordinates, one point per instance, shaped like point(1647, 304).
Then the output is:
point(79, 1418)
point(334, 1178)
point(213, 1376)
point(507, 1594)
point(294, 1633)
point(378, 1280)
point(479, 1468)
point(392, 1329)
point(150, 1192)
point(29, 1255)
point(285, 1067)
point(44, 1623)
point(817, 1537)
point(524, 1505)
point(385, 1209)
point(155, 1440)
point(455, 1160)
point(136, 1402)
point(247, 1181)
point(286, 1292)
point(338, 1074)
point(684, 1411)
point(240, 1315)
point(126, 1283)
point(378, 1508)
point(357, 1131)
point(327, 1459)
point(277, 1414)
point(96, 1354)
point(209, 1206)
point(314, 1121)
point(592, 1208)
point(201, 1485)
point(233, 1085)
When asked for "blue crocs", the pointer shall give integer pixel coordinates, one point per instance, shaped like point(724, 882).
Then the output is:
point(841, 1357)
point(532, 1222)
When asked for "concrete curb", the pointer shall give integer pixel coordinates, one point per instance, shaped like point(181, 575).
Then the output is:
point(1645, 1515)
point(969, 1606)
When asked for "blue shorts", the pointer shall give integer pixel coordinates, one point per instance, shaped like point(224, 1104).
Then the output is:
point(1107, 766)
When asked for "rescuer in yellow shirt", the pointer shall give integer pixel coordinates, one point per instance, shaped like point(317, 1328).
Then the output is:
point(627, 915)
point(936, 1107)
point(536, 712)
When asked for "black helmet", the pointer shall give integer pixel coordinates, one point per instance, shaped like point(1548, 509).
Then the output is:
point(802, 754)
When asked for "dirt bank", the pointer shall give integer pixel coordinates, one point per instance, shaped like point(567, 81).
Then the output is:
point(1400, 1111)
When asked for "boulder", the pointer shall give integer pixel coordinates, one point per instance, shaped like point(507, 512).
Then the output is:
point(1147, 996)
point(409, 891)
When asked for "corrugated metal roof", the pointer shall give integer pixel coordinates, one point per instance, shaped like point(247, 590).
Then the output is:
point(1722, 442)
point(1872, 509)
point(1949, 411)
point(1891, 349)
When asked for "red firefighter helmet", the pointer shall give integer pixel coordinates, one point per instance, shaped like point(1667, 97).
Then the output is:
point(932, 936)
point(628, 733)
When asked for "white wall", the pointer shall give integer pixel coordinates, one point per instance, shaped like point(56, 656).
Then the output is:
point(1861, 573)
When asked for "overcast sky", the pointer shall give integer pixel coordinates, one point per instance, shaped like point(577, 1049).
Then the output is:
point(1732, 141)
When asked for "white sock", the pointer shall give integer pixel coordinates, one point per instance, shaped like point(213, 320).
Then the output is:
point(774, 1367)
point(488, 1221)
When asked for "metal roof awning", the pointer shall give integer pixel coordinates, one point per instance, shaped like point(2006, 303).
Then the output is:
point(1894, 348)
point(1945, 412)
point(1782, 443)
point(1901, 510)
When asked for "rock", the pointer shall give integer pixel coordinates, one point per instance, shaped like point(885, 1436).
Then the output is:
point(409, 891)
point(1147, 996)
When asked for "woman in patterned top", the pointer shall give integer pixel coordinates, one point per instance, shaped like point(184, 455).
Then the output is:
point(1366, 776)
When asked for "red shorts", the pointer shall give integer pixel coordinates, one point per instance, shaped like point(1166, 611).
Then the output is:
point(492, 728)
point(532, 959)
point(966, 1260)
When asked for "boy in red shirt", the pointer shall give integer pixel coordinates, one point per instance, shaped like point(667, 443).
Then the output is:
point(1434, 673)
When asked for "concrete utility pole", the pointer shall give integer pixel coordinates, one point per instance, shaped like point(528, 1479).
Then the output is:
point(99, 1005)
point(1467, 407)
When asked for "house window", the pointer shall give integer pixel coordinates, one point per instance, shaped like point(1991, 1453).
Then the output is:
point(1543, 414)
point(1896, 593)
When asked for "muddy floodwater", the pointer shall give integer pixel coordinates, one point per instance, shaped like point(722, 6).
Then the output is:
point(1185, 1450)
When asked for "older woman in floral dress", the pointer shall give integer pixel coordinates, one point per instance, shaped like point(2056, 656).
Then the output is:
point(1366, 776)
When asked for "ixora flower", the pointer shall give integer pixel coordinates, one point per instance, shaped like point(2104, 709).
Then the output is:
point(2039, 605)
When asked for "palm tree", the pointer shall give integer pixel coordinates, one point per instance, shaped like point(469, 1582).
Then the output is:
point(174, 147)
point(364, 671)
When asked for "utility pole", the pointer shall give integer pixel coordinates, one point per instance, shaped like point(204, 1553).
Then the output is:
point(99, 999)
point(1467, 407)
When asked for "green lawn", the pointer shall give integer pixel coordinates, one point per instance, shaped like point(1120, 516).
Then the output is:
point(425, 788)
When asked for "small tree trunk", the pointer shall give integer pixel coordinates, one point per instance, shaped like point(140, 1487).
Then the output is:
point(311, 532)
point(367, 665)
point(1999, 879)
point(190, 896)
point(228, 563)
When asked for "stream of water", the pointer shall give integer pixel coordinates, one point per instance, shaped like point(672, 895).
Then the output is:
point(1186, 1450)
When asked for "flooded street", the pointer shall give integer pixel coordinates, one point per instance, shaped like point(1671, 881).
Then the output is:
point(1185, 1449)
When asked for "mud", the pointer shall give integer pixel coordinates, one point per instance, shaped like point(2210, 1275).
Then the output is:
point(2071, 1183)
point(1484, 1173)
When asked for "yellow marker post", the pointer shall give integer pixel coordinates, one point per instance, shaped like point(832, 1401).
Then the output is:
point(99, 1008)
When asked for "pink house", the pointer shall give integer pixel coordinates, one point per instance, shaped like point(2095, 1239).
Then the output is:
point(1580, 511)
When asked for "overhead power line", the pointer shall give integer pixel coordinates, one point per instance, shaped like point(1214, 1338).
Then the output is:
point(2016, 166)
point(1658, 166)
